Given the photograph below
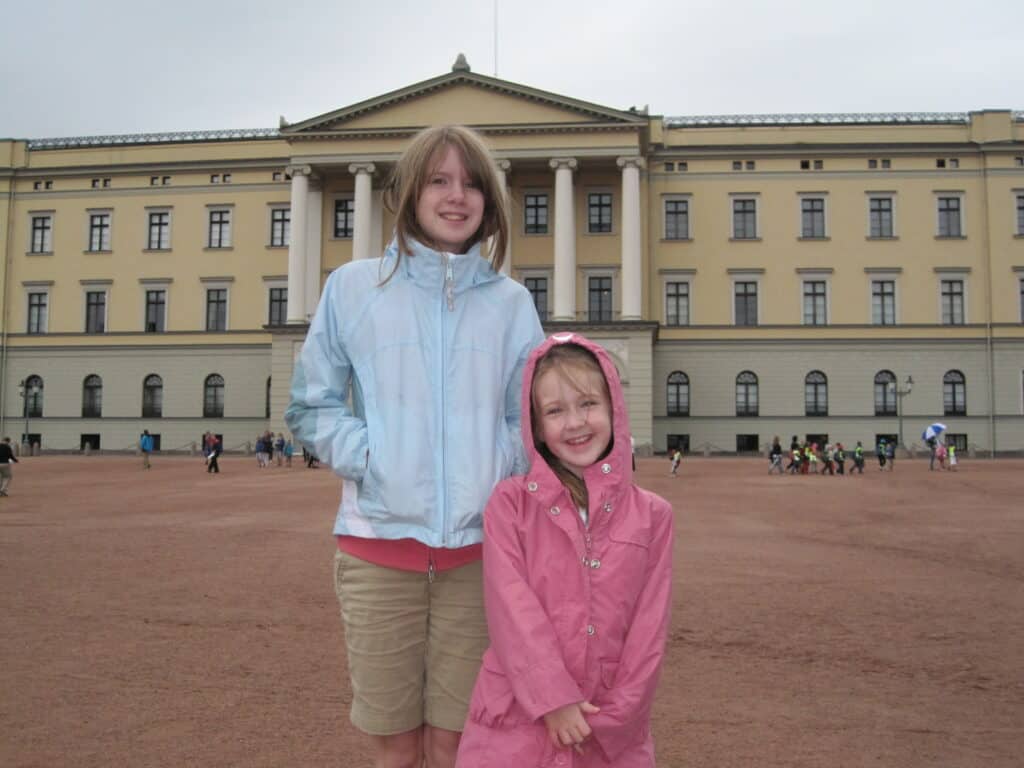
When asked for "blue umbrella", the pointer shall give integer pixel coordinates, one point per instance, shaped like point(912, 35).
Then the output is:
point(933, 430)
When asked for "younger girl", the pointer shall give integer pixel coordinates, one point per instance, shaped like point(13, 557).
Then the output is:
point(407, 387)
point(577, 581)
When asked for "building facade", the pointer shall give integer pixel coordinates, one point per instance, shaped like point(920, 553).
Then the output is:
point(838, 276)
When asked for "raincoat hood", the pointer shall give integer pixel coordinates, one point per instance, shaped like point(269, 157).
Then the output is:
point(615, 469)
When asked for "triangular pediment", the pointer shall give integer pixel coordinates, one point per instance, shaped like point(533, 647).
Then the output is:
point(467, 98)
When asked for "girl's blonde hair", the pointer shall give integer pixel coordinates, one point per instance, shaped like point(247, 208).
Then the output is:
point(578, 366)
point(412, 173)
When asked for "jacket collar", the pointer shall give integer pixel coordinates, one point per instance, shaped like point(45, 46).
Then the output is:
point(426, 267)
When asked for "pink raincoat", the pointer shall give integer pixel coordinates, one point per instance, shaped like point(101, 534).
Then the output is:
point(575, 612)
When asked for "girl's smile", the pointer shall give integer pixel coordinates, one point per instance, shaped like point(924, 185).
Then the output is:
point(575, 425)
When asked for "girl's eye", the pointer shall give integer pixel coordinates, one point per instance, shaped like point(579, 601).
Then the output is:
point(552, 411)
point(437, 180)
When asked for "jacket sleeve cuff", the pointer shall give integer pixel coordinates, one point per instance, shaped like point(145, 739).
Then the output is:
point(545, 689)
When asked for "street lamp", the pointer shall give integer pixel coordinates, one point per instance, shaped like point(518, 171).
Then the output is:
point(900, 394)
point(26, 391)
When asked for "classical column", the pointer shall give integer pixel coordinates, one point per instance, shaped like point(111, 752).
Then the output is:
point(565, 240)
point(314, 238)
point(503, 169)
point(631, 241)
point(361, 238)
point(297, 244)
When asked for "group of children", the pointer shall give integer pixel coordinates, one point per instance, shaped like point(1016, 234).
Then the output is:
point(807, 458)
point(487, 491)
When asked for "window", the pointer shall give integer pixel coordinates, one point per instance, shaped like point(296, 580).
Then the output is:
point(215, 178)
point(678, 394)
point(154, 180)
point(156, 310)
point(954, 394)
point(90, 440)
point(737, 165)
point(538, 288)
point(99, 232)
point(744, 219)
point(880, 217)
point(940, 162)
point(599, 299)
point(278, 311)
point(152, 397)
point(277, 176)
point(886, 163)
point(949, 217)
point(344, 217)
point(1020, 285)
point(680, 441)
point(885, 393)
point(682, 165)
point(226, 178)
point(670, 166)
point(812, 217)
point(748, 444)
point(219, 229)
point(165, 180)
point(872, 164)
point(37, 306)
point(816, 394)
point(952, 302)
point(815, 304)
point(677, 303)
point(213, 396)
point(33, 404)
point(599, 212)
point(746, 394)
point(745, 295)
point(280, 227)
point(535, 212)
point(95, 311)
point(159, 231)
point(42, 234)
point(216, 309)
point(92, 397)
point(1020, 214)
point(749, 165)
point(677, 219)
point(883, 302)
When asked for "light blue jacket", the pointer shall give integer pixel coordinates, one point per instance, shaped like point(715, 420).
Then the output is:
point(410, 392)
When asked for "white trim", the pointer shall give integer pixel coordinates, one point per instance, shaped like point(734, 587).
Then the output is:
point(222, 208)
point(810, 276)
point(892, 197)
point(686, 197)
point(959, 195)
point(600, 190)
point(151, 209)
point(678, 277)
point(731, 210)
point(742, 276)
point(38, 286)
point(826, 230)
point(881, 277)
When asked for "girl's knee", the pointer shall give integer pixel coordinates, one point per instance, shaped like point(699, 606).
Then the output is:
point(401, 750)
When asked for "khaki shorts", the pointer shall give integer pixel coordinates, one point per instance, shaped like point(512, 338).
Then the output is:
point(414, 647)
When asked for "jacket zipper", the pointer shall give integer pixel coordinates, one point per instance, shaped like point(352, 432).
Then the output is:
point(449, 292)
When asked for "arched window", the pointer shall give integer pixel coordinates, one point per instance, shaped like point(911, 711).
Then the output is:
point(213, 396)
point(33, 405)
point(92, 397)
point(152, 397)
point(746, 394)
point(678, 394)
point(885, 393)
point(954, 394)
point(267, 409)
point(816, 394)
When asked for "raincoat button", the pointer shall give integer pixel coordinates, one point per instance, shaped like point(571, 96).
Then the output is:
point(590, 629)
point(595, 563)
point(531, 486)
point(606, 468)
point(585, 561)
point(608, 507)
point(555, 511)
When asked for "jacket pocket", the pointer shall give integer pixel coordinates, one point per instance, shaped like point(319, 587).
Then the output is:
point(609, 668)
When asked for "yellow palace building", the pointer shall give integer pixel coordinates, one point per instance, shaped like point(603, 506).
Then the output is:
point(839, 276)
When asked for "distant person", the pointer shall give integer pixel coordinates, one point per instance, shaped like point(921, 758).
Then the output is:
point(840, 457)
point(952, 457)
point(573, 665)
point(279, 448)
point(858, 458)
point(890, 454)
point(881, 453)
point(7, 457)
point(932, 443)
point(940, 455)
point(289, 450)
point(775, 456)
point(211, 458)
point(795, 456)
point(146, 446)
point(675, 459)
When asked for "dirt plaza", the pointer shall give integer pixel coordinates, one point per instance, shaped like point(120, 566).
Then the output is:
point(174, 618)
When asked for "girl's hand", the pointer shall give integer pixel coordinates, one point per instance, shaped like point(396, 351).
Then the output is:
point(566, 725)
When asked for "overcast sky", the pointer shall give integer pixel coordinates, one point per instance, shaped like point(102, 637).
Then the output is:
point(73, 68)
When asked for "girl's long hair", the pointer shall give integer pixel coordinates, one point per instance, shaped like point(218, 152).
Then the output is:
point(412, 172)
point(577, 365)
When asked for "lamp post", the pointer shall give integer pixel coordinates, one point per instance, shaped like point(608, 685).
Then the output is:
point(908, 385)
point(26, 391)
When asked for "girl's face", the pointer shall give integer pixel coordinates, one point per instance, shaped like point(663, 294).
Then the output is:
point(574, 419)
point(450, 206)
